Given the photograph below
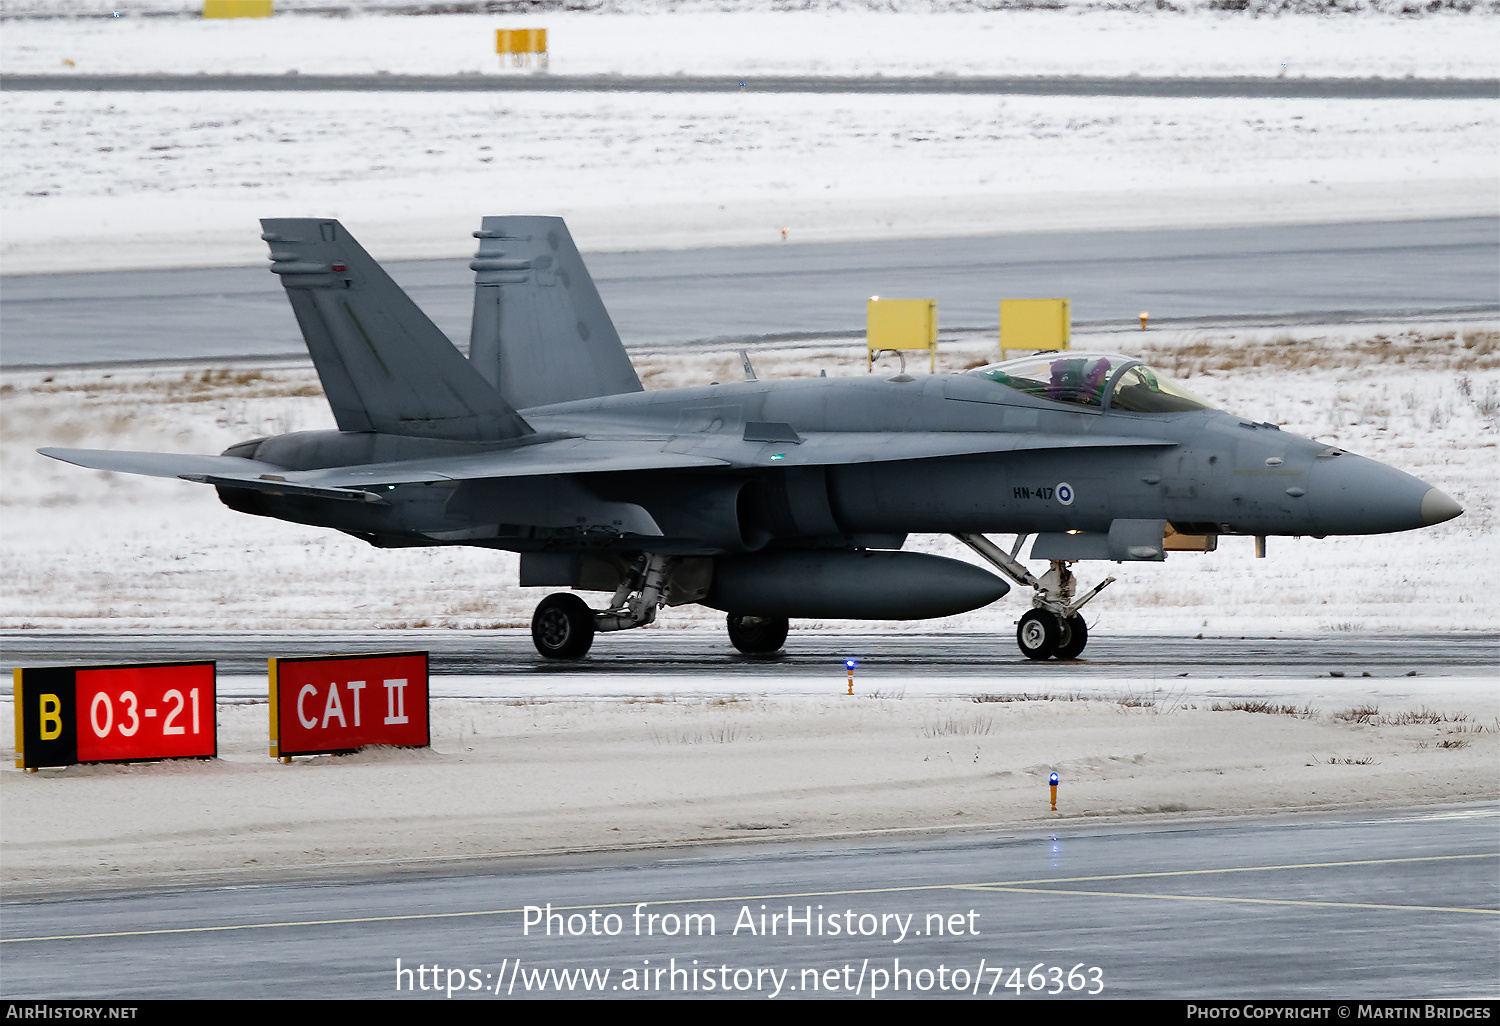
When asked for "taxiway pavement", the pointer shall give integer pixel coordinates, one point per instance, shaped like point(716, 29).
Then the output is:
point(753, 294)
point(1359, 904)
point(1346, 88)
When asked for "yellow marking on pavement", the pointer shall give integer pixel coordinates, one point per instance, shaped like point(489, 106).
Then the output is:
point(999, 886)
point(1236, 869)
point(1213, 897)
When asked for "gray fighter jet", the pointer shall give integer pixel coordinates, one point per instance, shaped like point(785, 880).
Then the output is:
point(765, 499)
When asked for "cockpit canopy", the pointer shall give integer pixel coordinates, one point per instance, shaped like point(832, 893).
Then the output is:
point(1096, 380)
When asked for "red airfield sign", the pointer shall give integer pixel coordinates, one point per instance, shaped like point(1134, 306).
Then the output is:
point(326, 704)
point(138, 712)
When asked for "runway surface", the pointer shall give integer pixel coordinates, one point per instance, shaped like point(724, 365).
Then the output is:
point(1030, 85)
point(702, 650)
point(1325, 672)
point(1360, 905)
point(766, 293)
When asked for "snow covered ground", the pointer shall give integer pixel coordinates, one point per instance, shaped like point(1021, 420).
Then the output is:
point(848, 41)
point(548, 776)
point(97, 181)
point(101, 180)
point(106, 551)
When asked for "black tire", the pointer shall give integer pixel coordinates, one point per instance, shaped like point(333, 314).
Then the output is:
point(562, 627)
point(1075, 635)
point(758, 635)
point(1038, 634)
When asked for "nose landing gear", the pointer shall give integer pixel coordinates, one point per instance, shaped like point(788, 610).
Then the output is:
point(1043, 634)
point(1053, 626)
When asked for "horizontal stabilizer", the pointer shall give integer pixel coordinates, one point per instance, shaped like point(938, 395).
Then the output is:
point(384, 366)
point(226, 471)
point(162, 464)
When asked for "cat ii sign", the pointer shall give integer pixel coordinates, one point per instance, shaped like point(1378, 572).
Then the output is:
point(326, 704)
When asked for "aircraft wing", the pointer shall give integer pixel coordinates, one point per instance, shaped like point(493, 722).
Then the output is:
point(601, 455)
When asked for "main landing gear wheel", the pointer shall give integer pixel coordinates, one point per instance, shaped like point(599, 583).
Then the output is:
point(562, 627)
point(1075, 635)
point(758, 635)
point(1039, 633)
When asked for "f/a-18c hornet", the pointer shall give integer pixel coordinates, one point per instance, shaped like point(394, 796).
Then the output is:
point(764, 499)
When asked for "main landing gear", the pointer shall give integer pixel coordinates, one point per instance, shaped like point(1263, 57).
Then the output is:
point(758, 635)
point(1053, 626)
point(563, 626)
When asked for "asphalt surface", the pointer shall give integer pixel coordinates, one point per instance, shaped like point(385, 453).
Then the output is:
point(1039, 85)
point(657, 653)
point(1359, 905)
point(755, 294)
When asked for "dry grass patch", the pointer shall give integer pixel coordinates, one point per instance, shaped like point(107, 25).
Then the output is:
point(1367, 714)
point(192, 386)
point(1272, 708)
point(957, 726)
point(1199, 353)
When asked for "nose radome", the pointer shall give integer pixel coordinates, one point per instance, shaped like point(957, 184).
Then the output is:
point(1438, 506)
point(1354, 495)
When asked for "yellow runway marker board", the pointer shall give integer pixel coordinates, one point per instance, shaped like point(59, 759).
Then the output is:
point(237, 8)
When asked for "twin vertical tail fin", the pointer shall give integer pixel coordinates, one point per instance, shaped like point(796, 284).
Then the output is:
point(384, 365)
point(540, 333)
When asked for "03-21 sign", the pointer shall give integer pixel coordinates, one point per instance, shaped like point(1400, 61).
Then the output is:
point(125, 713)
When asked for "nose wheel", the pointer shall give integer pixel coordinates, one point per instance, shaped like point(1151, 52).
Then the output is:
point(1075, 635)
point(1038, 634)
point(1043, 634)
point(1053, 627)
